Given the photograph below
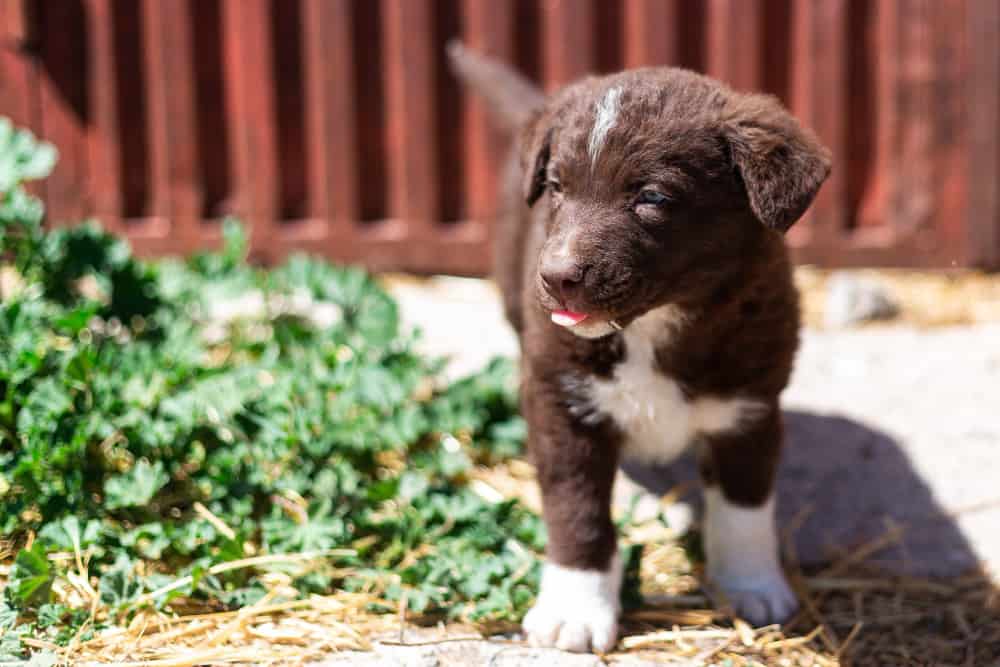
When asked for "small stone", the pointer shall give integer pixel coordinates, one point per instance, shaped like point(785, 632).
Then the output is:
point(851, 300)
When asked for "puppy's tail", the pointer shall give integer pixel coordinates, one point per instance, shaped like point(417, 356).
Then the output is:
point(510, 98)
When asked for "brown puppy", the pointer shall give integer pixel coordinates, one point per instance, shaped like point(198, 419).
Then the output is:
point(642, 263)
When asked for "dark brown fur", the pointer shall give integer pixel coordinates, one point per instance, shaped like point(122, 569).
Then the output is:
point(738, 171)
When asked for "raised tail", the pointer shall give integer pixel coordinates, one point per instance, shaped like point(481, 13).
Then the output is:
point(510, 98)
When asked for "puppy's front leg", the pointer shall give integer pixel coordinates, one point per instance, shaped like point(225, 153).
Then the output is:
point(741, 546)
point(578, 605)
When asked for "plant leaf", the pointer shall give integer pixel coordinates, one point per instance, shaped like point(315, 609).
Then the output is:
point(136, 487)
point(30, 583)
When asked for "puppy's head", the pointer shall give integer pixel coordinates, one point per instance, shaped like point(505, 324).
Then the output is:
point(654, 183)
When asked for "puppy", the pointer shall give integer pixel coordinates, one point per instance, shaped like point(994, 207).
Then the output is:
point(641, 260)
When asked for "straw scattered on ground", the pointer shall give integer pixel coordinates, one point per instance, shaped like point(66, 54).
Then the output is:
point(849, 616)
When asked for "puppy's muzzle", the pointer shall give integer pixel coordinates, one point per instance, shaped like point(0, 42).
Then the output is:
point(563, 278)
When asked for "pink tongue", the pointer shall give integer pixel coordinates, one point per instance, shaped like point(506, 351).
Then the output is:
point(567, 318)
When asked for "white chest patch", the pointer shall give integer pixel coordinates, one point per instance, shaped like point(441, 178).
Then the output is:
point(659, 422)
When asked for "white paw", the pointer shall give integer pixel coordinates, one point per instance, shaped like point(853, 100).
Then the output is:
point(572, 628)
point(742, 553)
point(577, 610)
point(762, 600)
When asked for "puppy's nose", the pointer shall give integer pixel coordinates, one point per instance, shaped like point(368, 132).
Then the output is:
point(563, 279)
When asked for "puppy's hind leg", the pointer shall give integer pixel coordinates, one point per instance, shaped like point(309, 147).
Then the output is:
point(740, 540)
point(578, 605)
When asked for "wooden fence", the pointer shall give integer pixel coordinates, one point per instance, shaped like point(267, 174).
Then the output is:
point(335, 126)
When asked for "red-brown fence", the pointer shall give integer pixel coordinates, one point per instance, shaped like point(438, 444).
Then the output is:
point(335, 126)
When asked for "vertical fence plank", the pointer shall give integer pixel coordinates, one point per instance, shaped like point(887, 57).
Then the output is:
point(332, 149)
point(18, 70)
point(18, 87)
point(488, 29)
point(982, 166)
point(874, 207)
point(914, 200)
point(253, 125)
point(13, 22)
point(331, 114)
point(820, 89)
point(568, 47)
point(344, 148)
point(409, 78)
point(652, 32)
point(156, 224)
point(19, 94)
point(173, 122)
point(947, 98)
point(63, 60)
point(104, 134)
point(735, 30)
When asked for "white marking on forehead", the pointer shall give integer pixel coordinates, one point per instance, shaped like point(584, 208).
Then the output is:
point(605, 118)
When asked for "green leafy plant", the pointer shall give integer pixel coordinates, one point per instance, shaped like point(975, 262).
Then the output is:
point(22, 158)
point(152, 432)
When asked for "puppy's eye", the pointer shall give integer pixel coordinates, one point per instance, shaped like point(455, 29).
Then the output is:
point(652, 197)
point(555, 185)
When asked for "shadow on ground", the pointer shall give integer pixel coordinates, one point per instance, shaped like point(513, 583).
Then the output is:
point(841, 486)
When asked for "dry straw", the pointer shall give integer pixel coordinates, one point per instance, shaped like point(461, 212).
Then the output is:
point(849, 616)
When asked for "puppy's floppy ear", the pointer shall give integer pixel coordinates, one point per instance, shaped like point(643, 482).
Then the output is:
point(782, 164)
point(535, 149)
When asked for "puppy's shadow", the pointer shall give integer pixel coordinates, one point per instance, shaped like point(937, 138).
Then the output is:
point(841, 485)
